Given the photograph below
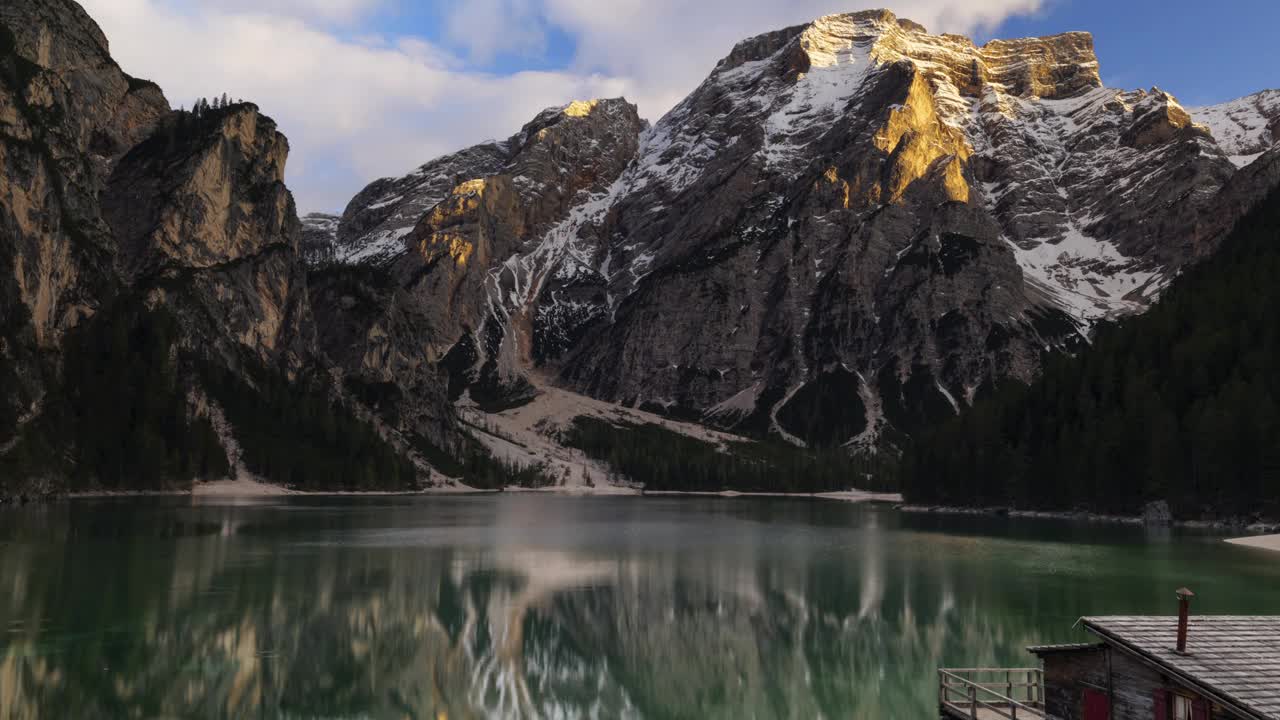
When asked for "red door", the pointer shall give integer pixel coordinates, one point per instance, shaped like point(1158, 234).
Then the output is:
point(1097, 706)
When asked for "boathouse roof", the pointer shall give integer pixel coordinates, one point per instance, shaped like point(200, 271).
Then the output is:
point(1067, 647)
point(1233, 659)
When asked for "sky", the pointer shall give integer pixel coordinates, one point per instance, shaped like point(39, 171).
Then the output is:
point(374, 88)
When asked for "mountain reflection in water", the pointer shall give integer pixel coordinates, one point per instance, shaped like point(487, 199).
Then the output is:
point(532, 606)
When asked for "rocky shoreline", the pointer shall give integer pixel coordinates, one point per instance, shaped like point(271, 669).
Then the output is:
point(253, 489)
point(238, 488)
point(1251, 527)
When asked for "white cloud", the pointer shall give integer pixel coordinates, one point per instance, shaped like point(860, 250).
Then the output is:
point(321, 10)
point(357, 109)
point(472, 26)
point(353, 110)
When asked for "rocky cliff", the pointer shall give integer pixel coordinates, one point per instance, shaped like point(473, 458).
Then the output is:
point(848, 230)
point(410, 310)
point(135, 240)
point(67, 115)
point(204, 226)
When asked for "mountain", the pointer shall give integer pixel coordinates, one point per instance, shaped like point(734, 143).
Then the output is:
point(1244, 128)
point(317, 242)
point(58, 150)
point(852, 230)
point(847, 232)
point(393, 324)
point(156, 324)
point(1180, 404)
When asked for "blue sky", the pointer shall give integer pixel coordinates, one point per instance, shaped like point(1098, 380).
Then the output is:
point(370, 88)
point(1201, 52)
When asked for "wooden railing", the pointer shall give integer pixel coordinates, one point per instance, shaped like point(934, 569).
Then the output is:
point(992, 693)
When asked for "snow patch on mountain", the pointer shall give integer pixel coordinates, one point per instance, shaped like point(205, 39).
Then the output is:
point(1244, 128)
point(318, 241)
point(1086, 277)
point(320, 223)
point(671, 158)
point(376, 247)
point(1243, 125)
point(737, 406)
point(557, 248)
point(376, 223)
point(1072, 171)
point(819, 97)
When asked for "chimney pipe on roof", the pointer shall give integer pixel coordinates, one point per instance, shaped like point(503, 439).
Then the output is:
point(1184, 609)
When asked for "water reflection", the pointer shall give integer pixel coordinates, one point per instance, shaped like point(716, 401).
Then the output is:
point(548, 607)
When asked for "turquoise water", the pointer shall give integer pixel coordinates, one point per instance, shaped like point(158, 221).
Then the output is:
point(520, 605)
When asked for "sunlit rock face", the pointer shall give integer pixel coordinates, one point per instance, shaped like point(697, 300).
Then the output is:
point(376, 222)
point(105, 193)
point(852, 204)
point(201, 215)
point(492, 229)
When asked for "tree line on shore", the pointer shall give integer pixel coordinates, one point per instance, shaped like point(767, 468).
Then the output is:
point(1181, 404)
point(116, 416)
point(662, 459)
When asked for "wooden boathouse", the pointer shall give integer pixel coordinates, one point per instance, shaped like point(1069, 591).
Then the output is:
point(1140, 668)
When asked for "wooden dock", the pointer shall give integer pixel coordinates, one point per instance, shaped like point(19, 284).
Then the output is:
point(991, 693)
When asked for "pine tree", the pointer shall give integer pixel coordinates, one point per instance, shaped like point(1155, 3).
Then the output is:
point(1179, 404)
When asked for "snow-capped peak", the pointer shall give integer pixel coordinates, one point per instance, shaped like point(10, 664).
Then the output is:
point(1244, 128)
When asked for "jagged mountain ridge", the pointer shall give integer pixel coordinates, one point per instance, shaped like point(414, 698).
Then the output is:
point(852, 207)
point(405, 309)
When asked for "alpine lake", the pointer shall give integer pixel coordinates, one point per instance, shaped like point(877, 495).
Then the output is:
point(525, 605)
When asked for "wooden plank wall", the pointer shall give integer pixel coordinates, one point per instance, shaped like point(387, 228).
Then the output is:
point(1065, 677)
point(1133, 684)
point(1134, 688)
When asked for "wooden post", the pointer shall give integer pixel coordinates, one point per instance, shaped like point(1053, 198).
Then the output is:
point(973, 701)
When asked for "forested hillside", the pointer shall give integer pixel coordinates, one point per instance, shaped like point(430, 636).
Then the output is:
point(663, 460)
point(1181, 404)
point(117, 417)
